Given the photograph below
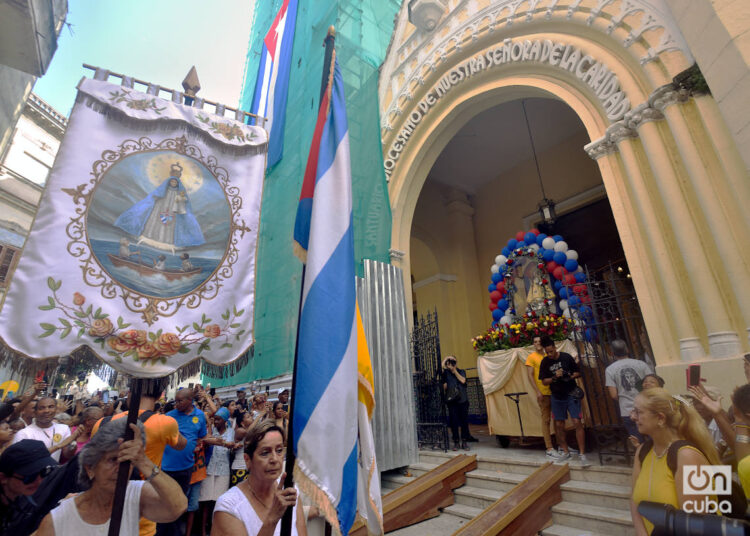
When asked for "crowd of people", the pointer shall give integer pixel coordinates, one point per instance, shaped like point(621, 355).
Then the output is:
point(668, 432)
point(200, 464)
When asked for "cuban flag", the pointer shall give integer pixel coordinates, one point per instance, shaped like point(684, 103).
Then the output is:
point(272, 84)
point(324, 422)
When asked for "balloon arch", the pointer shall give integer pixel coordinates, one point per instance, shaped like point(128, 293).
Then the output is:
point(536, 274)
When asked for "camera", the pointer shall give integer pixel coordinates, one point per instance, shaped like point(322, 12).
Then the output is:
point(451, 361)
point(669, 521)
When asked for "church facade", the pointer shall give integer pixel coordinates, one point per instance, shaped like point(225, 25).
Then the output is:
point(630, 114)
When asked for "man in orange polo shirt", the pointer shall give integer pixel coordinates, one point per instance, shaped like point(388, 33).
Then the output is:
point(161, 431)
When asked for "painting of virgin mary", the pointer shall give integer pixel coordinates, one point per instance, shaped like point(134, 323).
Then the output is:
point(164, 218)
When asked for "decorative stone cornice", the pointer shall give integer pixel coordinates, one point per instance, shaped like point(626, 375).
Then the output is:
point(667, 95)
point(599, 148)
point(396, 254)
point(641, 114)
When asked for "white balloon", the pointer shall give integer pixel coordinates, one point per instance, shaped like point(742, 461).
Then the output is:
point(579, 269)
point(508, 312)
point(500, 260)
point(494, 268)
point(548, 243)
point(562, 245)
point(505, 320)
point(570, 254)
point(566, 313)
point(534, 247)
point(563, 304)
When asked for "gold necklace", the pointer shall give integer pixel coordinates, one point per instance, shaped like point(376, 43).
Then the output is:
point(250, 487)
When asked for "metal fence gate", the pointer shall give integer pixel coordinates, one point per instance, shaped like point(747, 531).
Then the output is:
point(610, 312)
point(432, 430)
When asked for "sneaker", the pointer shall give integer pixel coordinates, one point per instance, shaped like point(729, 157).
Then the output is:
point(552, 455)
point(571, 450)
point(562, 457)
point(584, 461)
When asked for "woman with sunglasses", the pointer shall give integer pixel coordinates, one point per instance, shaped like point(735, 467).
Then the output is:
point(22, 468)
point(158, 497)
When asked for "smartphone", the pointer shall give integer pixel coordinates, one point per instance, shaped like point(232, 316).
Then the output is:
point(105, 396)
point(266, 390)
point(54, 393)
point(693, 374)
point(213, 392)
point(39, 377)
point(191, 385)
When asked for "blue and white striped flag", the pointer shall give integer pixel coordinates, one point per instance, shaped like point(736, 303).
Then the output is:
point(325, 408)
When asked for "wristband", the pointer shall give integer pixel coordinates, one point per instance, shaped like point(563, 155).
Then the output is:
point(739, 438)
point(741, 426)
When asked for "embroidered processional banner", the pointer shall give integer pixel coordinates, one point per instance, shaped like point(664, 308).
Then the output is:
point(144, 245)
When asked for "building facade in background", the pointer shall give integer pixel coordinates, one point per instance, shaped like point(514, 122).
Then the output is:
point(635, 112)
point(28, 40)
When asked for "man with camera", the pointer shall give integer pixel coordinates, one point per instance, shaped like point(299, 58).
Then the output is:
point(559, 370)
point(457, 400)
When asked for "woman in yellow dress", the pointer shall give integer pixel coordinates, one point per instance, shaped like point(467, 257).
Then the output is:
point(666, 420)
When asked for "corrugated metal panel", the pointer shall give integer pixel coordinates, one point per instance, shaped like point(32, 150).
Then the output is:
point(381, 301)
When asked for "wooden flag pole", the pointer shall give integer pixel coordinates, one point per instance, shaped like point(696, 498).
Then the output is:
point(286, 520)
point(123, 473)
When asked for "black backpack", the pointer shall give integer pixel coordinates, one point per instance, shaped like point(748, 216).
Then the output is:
point(737, 498)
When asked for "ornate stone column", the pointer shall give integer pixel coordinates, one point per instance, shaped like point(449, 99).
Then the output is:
point(723, 218)
point(635, 243)
point(671, 182)
point(668, 268)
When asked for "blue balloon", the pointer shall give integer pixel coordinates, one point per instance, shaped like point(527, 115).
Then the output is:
point(497, 314)
point(557, 238)
point(492, 287)
point(502, 305)
point(564, 293)
point(495, 323)
point(520, 244)
point(529, 238)
point(580, 277)
point(548, 254)
point(571, 265)
point(558, 285)
point(586, 312)
point(574, 301)
point(540, 238)
point(497, 278)
point(512, 243)
point(506, 251)
point(591, 334)
point(559, 257)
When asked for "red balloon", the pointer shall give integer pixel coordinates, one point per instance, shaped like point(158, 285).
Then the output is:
point(520, 235)
point(493, 306)
point(558, 272)
point(495, 295)
point(501, 287)
point(586, 298)
point(535, 231)
point(551, 265)
point(579, 289)
point(570, 279)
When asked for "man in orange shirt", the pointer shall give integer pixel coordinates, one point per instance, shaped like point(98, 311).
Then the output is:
point(543, 393)
point(161, 431)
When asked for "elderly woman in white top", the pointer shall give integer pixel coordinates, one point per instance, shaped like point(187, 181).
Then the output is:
point(158, 498)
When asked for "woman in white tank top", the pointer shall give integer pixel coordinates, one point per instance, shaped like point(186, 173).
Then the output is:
point(158, 498)
point(255, 506)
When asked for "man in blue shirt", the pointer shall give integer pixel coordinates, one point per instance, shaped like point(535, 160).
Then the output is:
point(179, 463)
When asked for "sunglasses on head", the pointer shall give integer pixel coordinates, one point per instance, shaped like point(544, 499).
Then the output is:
point(28, 479)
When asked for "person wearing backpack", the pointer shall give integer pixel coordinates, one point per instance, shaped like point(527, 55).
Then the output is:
point(678, 436)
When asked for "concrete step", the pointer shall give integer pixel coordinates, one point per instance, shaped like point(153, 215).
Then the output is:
point(610, 521)
point(597, 494)
point(605, 474)
point(476, 497)
point(561, 530)
point(420, 468)
point(462, 510)
point(493, 480)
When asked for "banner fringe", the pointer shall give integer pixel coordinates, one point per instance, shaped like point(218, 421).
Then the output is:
point(319, 498)
point(167, 124)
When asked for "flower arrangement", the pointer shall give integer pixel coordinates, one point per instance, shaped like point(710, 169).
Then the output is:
point(522, 332)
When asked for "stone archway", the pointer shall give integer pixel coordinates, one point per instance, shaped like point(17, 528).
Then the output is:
point(671, 171)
